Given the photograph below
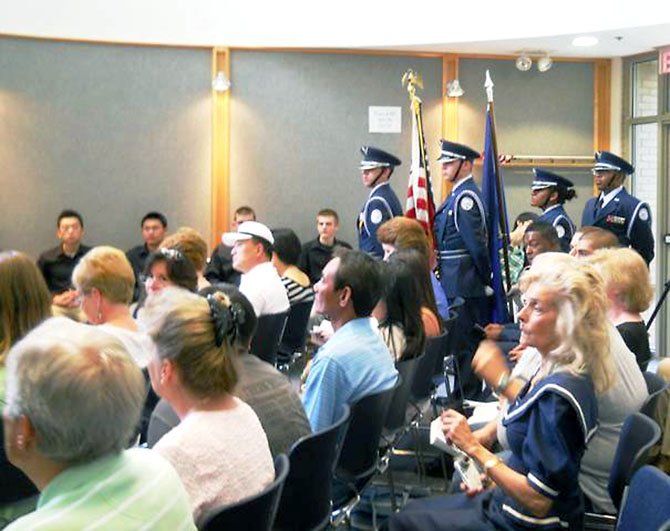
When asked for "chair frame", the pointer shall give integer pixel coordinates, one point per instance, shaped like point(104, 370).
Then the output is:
point(302, 447)
point(273, 491)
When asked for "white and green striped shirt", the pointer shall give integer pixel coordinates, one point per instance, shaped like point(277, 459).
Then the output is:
point(137, 489)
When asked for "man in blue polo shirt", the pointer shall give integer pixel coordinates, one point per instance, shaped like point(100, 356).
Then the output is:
point(354, 362)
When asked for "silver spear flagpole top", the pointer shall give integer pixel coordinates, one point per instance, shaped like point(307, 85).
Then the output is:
point(488, 85)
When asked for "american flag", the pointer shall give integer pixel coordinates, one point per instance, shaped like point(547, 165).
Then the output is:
point(420, 204)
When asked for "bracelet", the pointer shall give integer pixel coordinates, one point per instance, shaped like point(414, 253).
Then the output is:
point(491, 463)
point(503, 382)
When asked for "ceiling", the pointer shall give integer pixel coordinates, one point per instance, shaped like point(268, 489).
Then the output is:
point(623, 27)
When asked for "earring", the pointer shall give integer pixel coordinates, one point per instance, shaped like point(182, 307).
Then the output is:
point(20, 442)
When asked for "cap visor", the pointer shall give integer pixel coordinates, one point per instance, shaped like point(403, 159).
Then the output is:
point(229, 238)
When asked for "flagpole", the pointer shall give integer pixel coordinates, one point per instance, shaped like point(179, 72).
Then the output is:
point(412, 81)
point(488, 85)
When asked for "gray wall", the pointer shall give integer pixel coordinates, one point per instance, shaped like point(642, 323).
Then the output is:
point(298, 121)
point(536, 113)
point(112, 131)
point(115, 131)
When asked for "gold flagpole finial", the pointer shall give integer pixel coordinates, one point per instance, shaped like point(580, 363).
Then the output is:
point(412, 80)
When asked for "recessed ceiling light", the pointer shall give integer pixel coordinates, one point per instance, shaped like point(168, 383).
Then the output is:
point(584, 41)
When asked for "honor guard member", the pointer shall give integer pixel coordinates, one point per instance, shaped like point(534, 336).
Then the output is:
point(549, 192)
point(465, 270)
point(615, 209)
point(382, 203)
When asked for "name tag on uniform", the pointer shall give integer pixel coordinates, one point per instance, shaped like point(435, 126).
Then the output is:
point(615, 220)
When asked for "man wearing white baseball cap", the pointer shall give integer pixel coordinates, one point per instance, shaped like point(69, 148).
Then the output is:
point(252, 254)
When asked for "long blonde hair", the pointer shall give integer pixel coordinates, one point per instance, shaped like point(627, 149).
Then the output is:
point(581, 325)
point(25, 300)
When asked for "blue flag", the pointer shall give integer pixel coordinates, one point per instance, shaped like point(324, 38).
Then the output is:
point(494, 205)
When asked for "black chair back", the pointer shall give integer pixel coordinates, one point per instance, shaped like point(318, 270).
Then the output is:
point(638, 435)
point(305, 501)
point(447, 328)
point(456, 305)
point(14, 484)
point(295, 332)
point(268, 334)
point(358, 459)
point(398, 406)
point(256, 513)
point(436, 349)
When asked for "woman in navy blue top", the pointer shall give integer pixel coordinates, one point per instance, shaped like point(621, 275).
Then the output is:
point(549, 423)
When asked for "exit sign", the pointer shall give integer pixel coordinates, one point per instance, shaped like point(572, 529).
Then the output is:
point(664, 60)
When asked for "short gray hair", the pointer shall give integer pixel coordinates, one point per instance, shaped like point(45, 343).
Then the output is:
point(78, 386)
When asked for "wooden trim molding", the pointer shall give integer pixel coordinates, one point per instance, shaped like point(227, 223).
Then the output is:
point(220, 194)
point(449, 112)
point(602, 102)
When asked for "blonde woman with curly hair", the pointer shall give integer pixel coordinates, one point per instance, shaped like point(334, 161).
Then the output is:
point(629, 292)
point(550, 422)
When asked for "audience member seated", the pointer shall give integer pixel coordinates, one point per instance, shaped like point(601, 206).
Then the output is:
point(404, 323)
point(549, 424)
point(626, 396)
point(220, 265)
point(285, 255)
point(588, 240)
point(401, 233)
point(252, 255)
point(104, 280)
point(268, 392)
point(219, 448)
point(629, 291)
point(318, 252)
point(58, 263)
point(25, 302)
point(540, 237)
point(154, 226)
point(354, 362)
point(194, 247)
point(73, 400)
point(169, 267)
point(515, 252)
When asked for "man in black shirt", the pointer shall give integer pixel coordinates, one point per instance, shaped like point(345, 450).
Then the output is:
point(57, 264)
point(220, 265)
point(317, 253)
point(154, 227)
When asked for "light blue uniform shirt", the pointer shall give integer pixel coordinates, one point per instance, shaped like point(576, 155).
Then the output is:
point(354, 363)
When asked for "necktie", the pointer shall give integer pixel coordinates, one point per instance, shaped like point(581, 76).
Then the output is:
point(599, 206)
